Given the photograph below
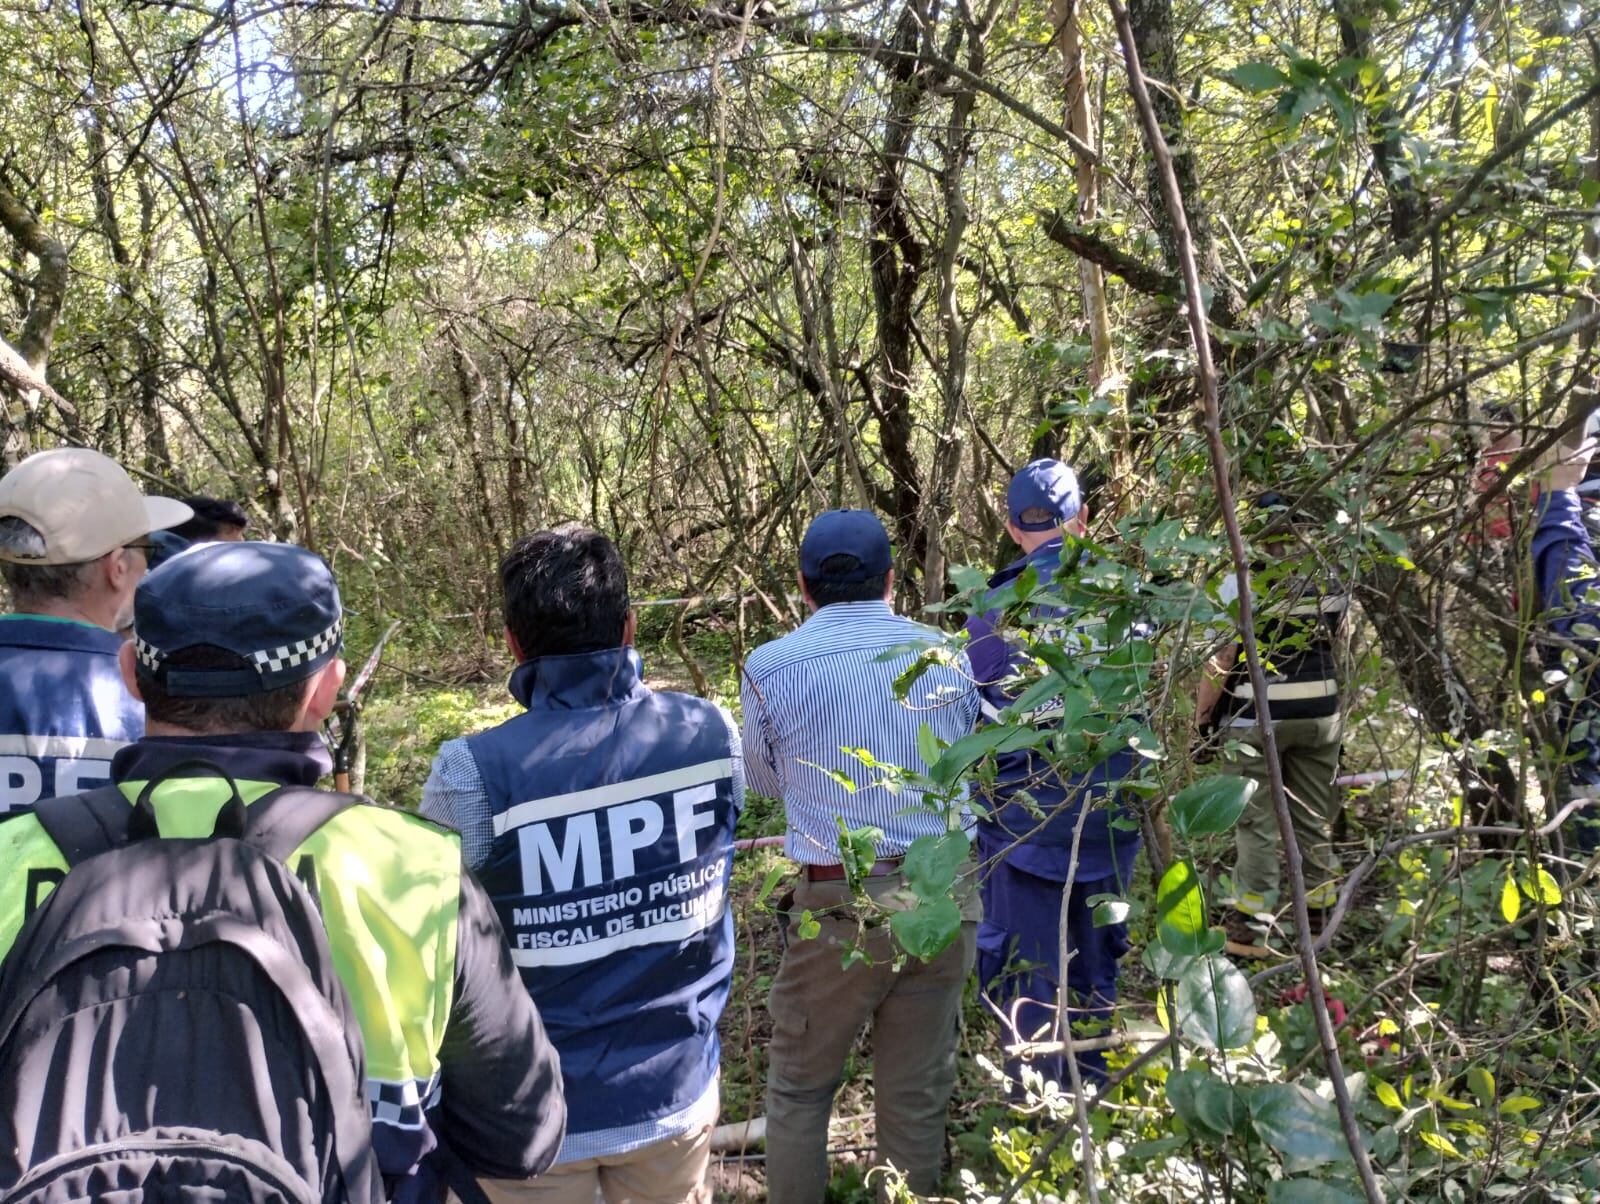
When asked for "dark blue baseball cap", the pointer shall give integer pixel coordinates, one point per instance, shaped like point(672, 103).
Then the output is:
point(855, 533)
point(1044, 485)
point(273, 605)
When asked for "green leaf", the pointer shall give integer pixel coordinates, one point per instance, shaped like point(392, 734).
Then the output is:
point(956, 759)
point(932, 861)
point(1387, 1095)
point(1211, 805)
point(929, 746)
point(1181, 911)
point(1256, 77)
point(1543, 887)
point(1308, 1191)
point(926, 930)
point(1215, 1006)
point(1299, 1124)
point(1480, 1082)
point(808, 927)
point(1206, 1103)
point(1510, 900)
point(1589, 190)
point(1441, 1143)
point(1516, 1104)
point(774, 876)
point(1164, 963)
point(967, 579)
point(858, 851)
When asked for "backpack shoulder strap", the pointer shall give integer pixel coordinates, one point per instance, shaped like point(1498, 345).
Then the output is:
point(83, 825)
point(279, 823)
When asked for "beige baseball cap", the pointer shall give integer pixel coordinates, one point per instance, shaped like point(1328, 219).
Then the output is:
point(83, 503)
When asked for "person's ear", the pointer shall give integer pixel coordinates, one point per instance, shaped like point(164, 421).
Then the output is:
point(629, 626)
point(888, 585)
point(321, 695)
point(127, 661)
point(811, 602)
point(1015, 532)
point(516, 648)
point(116, 568)
point(1078, 524)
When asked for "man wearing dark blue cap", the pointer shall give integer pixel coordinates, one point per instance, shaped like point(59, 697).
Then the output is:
point(1026, 861)
point(235, 654)
point(807, 698)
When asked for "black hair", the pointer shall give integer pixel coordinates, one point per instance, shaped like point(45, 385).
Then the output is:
point(566, 591)
point(272, 711)
point(826, 592)
point(211, 515)
point(1033, 516)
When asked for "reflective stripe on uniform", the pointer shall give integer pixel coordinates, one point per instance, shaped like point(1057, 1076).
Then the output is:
point(1290, 691)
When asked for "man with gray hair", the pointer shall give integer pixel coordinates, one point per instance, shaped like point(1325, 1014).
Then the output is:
point(74, 545)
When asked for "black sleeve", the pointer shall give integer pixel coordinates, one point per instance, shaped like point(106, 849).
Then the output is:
point(501, 1107)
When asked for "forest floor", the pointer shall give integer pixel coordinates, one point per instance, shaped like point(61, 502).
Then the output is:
point(408, 718)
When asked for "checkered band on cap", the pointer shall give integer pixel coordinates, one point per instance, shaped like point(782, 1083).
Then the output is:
point(149, 655)
point(290, 656)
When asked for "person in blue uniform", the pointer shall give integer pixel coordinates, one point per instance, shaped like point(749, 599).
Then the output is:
point(1027, 861)
point(601, 822)
point(75, 541)
point(1567, 608)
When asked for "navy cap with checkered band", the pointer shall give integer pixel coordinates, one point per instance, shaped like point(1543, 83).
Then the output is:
point(273, 605)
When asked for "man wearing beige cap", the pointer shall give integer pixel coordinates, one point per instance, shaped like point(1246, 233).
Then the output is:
point(74, 544)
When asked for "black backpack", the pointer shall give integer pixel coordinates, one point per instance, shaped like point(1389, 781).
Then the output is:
point(171, 1024)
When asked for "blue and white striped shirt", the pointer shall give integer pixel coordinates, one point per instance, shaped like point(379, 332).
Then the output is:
point(821, 690)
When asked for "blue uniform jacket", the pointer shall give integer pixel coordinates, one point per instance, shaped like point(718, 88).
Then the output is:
point(1565, 575)
point(1103, 851)
point(64, 712)
point(614, 808)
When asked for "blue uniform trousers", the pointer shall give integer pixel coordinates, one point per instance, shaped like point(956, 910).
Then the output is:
point(1019, 945)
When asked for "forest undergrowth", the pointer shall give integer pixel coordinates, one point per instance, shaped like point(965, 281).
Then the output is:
point(1461, 981)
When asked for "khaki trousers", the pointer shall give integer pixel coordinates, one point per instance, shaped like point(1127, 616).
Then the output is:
point(818, 1009)
point(665, 1172)
point(1309, 750)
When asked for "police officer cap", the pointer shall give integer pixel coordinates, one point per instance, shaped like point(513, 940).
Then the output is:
point(273, 605)
point(855, 533)
point(1044, 485)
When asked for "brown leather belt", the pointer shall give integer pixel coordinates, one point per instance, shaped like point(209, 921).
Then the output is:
point(835, 873)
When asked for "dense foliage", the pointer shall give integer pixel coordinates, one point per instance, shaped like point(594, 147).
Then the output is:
point(414, 278)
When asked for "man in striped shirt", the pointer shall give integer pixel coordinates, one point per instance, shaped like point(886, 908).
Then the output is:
point(808, 698)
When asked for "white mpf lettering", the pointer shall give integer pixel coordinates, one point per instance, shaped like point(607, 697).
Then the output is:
point(689, 821)
point(21, 782)
point(74, 775)
point(538, 849)
point(626, 840)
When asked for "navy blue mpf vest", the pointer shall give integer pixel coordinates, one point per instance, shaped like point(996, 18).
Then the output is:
point(64, 711)
point(614, 809)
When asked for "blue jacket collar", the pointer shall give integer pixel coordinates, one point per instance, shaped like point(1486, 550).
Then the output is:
point(287, 758)
point(1046, 554)
point(581, 681)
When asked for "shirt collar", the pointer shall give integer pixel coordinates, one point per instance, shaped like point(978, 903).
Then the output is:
point(287, 758)
point(850, 612)
point(49, 631)
point(580, 681)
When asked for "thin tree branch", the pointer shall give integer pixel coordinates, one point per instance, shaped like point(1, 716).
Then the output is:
point(1212, 422)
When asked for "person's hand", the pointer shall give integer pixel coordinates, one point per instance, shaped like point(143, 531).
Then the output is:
point(1565, 465)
